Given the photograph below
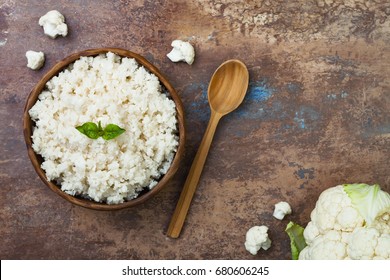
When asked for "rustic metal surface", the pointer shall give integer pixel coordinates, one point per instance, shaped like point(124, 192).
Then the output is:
point(316, 114)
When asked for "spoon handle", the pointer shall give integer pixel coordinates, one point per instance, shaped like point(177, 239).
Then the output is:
point(192, 180)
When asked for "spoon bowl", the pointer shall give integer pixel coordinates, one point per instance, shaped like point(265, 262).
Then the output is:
point(226, 91)
point(228, 86)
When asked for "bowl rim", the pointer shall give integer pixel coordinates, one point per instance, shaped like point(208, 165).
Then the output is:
point(36, 160)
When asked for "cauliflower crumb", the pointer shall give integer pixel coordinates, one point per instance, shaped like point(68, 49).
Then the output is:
point(53, 24)
point(256, 239)
point(282, 209)
point(182, 51)
point(35, 60)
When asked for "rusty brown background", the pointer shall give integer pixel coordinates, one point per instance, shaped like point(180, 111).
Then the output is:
point(316, 114)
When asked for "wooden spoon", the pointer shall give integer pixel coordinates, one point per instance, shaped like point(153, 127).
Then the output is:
point(226, 91)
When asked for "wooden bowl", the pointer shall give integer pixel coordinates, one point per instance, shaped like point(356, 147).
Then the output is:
point(37, 159)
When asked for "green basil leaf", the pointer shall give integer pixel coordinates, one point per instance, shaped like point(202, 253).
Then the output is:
point(89, 129)
point(94, 131)
point(111, 131)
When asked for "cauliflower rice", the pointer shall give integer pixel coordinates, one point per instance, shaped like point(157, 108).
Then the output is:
point(110, 89)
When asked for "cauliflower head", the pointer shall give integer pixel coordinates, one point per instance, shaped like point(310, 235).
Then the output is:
point(350, 221)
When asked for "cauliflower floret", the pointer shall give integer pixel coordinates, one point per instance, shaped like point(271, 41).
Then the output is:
point(35, 60)
point(182, 51)
point(256, 238)
point(334, 211)
point(310, 233)
point(53, 24)
point(382, 248)
point(362, 243)
point(326, 247)
point(282, 209)
point(348, 218)
point(382, 222)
